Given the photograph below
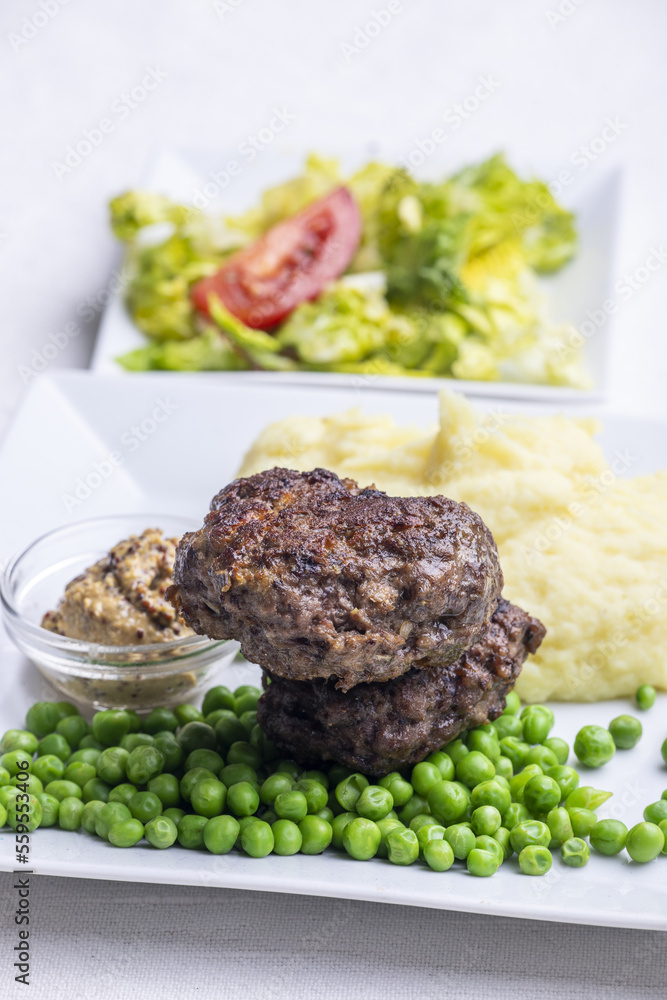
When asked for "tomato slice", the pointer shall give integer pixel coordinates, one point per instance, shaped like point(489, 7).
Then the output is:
point(291, 263)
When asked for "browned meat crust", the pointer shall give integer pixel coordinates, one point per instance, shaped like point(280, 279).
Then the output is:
point(318, 578)
point(377, 728)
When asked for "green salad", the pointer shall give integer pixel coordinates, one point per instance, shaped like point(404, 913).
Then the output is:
point(438, 279)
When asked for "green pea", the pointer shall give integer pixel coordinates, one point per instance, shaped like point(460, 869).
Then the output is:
point(291, 805)
point(385, 826)
point(73, 728)
point(402, 846)
point(485, 740)
point(582, 820)
point(50, 809)
point(645, 697)
point(448, 802)
point(502, 837)
point(208, 797)
point(243, 799)
point(662, 824)
point(530, 833)
point(190, 779)
point(131, 741)
point(42, 718)
point(575, 852)
point(175, 815)
point(126, 833)
point(247, 703)
point(191, 832)
point(187, 713)
point(515, 750)
point(7, 793)
point(564, 776)
point(257, 839)
point(375, 802)
point(96, 790)
point(167, 789)
point(4, 776)
point(112, 765)
point(608, 836)
point(644, 842)
point(143, 764)
point(48, 768)
point(161, 832)
point(19, 739)
point(656, 812)
point(229, 729)
point(519, 781)
point(220, 834)
point(122, 793)
point(485, 820)
point(625, 731)
point(461, 839)
point(429, 831)
point(28, 783)
point(110, 813)
point(70, 812)
point(66, 709)
point(16, 762)
point(160, 720)
point(361, 838)
point(400, 789)
point(197, 736)
point(586, 797)
point(560, 824)
point(424, 776)
point(79, 772)
point(218, 697)
point(491, 793)
point(85, 756)
point(209, 759)
point(456, 750)
point(663, 751)
point(338, 828)
point(559, 748)
point(337, 772)
point(231, 774)
point(90, 813)
point(541, 794)
point(24, 813)
point(542, 756)
point(515, 813)
point(325, 813)
point(292, 768)
point(317, 795)
point(536, 724)
point(512, 703)
point(534, 860)
point(438, 855)
point(349, 790)
point(287, 837)
point(245, 821)
point(481, 863)
point(88, 742)
point(144, 806)
point(504, 768)
point(316, 834)
point(474, 768)
point(110, 726)
point(594, 746)
point(248, 720)
point(61, 789)
point(508, 725)
point(170, 749)
point(442, 761)
point(273, 786)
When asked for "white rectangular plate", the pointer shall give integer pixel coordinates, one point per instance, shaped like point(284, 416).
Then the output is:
point(582, 286)
point(69, 425)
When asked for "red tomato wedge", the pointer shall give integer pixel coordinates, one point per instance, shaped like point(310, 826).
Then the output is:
point(290, 264)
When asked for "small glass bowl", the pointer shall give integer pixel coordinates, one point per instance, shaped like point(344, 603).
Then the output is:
point(140, 676)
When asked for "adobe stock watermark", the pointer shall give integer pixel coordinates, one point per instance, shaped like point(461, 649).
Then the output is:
point(223, 7)
point(560, 14)
point(58, 341)
point(364, 34)
point(120, 109)
point(32, 24)
point(248, 150)
point(453, 118)
point(133, 438)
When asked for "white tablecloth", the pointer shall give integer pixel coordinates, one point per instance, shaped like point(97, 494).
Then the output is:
point(204, 73)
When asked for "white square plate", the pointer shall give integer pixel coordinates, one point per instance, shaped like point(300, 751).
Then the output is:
point(582, 286)
point(70, 423)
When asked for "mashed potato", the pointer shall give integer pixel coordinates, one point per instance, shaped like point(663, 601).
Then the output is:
point(581, 548)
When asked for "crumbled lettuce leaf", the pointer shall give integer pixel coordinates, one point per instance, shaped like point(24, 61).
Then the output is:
point(208, 351)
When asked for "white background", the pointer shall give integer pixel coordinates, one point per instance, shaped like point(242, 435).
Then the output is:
point(225, 73)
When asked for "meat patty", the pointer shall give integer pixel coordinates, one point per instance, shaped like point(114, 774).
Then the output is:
point(316, 577)
point(378, 728)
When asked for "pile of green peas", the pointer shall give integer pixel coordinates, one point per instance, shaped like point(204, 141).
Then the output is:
point(210, 779)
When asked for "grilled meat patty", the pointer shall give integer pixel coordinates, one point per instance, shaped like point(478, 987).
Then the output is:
point(378, 728)
point(316, 577)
